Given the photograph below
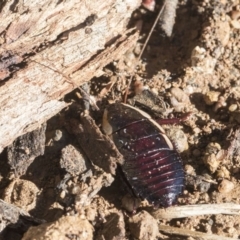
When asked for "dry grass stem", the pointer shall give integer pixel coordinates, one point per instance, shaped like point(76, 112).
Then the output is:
point(196, 210)
point(189, 233)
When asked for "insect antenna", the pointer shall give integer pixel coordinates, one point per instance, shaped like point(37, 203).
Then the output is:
point(143, 48)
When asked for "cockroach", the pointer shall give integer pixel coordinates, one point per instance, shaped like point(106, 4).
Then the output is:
point(152, 166)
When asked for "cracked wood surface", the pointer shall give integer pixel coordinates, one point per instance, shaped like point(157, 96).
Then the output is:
point(49, 48)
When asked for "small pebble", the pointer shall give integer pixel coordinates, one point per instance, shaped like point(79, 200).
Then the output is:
point(180, 95)
point(211, 97)
point(130, 203)
point(189, 170)
point(207, 129)
point(196, 130)
point(178, 137)
point(225, 186)
point(223, 173)
point(91, 213)
point(62, 194)
point(233, 107)
point(69, 183)
point(196, 153)
point(185, 192)
point(235, 15)
point(230, 230)
point(198, 55)
point(203, 187)
point(212, 162)
point(143, 226)
point(213, 147)
point(235, 24)
point(76, 190)
point(210, 158)
point(58, 135)
point(205, 197)
point(179, 99)
point(220, 103)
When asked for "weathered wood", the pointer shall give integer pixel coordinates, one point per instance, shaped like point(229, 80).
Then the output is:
point(51, 47)
point(105, 154)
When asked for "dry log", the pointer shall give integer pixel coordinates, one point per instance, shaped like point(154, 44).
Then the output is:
point(50, 47)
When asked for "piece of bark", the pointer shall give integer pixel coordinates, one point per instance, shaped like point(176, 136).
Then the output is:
point(97, 146)
point(25, 149)
point(52, 47)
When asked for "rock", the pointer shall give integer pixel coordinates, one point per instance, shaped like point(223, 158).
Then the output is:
point(21, 193)
point(178, 138)
point(223, 173)
point(211, 161)
point(72, 160)
point(213, 156)
point(223, 31)
point(233, 107)
point(211, 97)
point(225, 186)
point(179, 99)
point(113, 228)
point(130, 203)
point(235, 24)
point(22, 152)
point(64, 228)
point(143, 226)
point(202, 61)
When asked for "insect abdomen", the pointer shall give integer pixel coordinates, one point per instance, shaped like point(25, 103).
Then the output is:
point(152, 166)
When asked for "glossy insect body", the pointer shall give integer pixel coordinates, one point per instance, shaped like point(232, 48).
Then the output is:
point(151, 165)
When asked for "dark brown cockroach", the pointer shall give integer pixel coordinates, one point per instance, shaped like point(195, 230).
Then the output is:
point(151, 165)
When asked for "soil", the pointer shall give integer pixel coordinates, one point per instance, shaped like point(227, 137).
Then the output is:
point(75, 181)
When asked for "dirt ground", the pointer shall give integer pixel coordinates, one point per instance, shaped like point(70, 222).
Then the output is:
point(67, 180)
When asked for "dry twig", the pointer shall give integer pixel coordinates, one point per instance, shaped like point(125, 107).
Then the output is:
point(196, 210)
point(189, 233)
